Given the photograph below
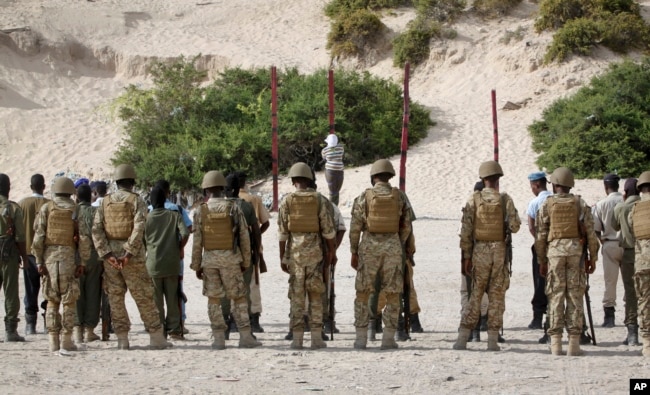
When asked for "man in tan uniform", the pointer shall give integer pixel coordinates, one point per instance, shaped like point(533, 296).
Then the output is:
point(487, 217)
point(220, 253)
point(118, 232)
point(564, 223)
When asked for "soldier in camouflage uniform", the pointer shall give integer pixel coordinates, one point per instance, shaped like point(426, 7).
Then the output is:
point(486, 215)
point(304, 221)
point(384, 215)
point(639, 219)
point(55, 248)
point(220, 253)
point(118, 232)
point(564, 222)
point(12, 251)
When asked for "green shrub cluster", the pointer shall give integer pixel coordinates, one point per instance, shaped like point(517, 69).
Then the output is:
point(350, 36)
point(583, 24)
point(439, 10)
point(494, 8)
point(603, 128)
point(413, 45)
point(181, 128)
point(337, 8)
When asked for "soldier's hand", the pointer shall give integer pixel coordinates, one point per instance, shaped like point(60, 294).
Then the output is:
point(284, 267)
point(467, 267)
point(354, 261)
point(199, 273)
point(590, 266)
point(79, 271)
point(242, 268)
point(113, 261)
point(543, 269)
point(42, 270)
point(125, 259)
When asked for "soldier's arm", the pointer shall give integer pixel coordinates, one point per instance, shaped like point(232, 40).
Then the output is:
point(467, 230)
point(541, 238)
point(244, 239)
point(19, 235)
point(38, 244)
point(183, 230)
point(616, 224)
point(356, 225)
point(99, 234)
point(197, 241)
point(594, 242)
point(326, 219)
point(85, 236)
point(405, 225)
point(514, 222)
point(134, 244)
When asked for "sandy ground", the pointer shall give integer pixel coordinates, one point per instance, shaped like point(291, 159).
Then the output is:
point(55, 82)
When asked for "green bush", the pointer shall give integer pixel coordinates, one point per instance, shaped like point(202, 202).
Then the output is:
point(577, 36)
point(493, 8)
point(439, 10)
point(553, 14)
point(339, 7)
point(413, 45)
point(180, 129)
point(625, 31)
point(602, 128)
point(350, 35)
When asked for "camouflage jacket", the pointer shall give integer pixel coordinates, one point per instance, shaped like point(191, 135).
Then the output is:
point(85, 217)
point(641, 247)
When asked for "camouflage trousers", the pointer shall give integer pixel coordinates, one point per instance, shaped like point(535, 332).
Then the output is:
point(60, 287)
point(489, 274)
point(565, 281)
point(387, 269)
point(306, 283)
point(226, 282)
point(642, 285)
point(378, 298)
point(135, 278)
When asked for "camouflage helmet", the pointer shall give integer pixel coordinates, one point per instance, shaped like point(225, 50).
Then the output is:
point(382, 166)
point(301, 169)
point(124, 172)
point(562, 176)
point(213, 178)
point(490, 168)
point(644, 178)
point(63, 185)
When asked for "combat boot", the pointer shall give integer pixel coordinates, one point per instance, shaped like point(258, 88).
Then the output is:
point(157, 340)
point(305, 319)
point(255, 323)
point(372, 331)
point(30, 326)
point(53, 338)
point(78, 334)
point(122, 340)
point(67, 343)
point(609, 320)
point(484, 323)
point(232, 325)
point(461, 342)
point(327, 328)
point(401, 330)
point(556, 344)
point(90, 334)
point(574, 346)
point(378, 327)
point(585, 338)
point(11, 332)
point(289, 335)
point(632, 338)
point(536, 323)
point(476, 333)
point(296, 343)
point(416, 327)
point(388, 339)
point(493, 338)
point(219, 340)
point(317, 339)
point(246, 339)
point(362, 338)
point(646, 347)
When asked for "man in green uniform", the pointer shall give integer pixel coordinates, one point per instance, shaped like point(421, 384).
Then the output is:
point(384, 215)
point(488, 216)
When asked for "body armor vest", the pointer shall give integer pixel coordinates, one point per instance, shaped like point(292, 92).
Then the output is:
point(217, 228)
point(641, 219)
point(303, 213)
point(60, 226)
point(489, 219)
point(383, 211)
point(118, 217)
point(564, 214)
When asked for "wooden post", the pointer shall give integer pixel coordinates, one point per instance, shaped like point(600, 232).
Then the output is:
point(495, 125)
point(274, 133)
point(405, 130)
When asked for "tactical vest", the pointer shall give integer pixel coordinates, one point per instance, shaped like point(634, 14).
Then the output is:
point(118, 217)
point(641, 219)
point(382, 214)
point(488, 219)
point(303, 213)
point(60, 226)
point(564, 215)
point(217, 228)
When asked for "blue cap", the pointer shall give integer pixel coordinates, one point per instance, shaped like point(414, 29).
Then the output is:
point(80, 181)
point(538, 175)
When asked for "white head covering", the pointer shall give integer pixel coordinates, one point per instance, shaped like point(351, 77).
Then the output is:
point(331, 140)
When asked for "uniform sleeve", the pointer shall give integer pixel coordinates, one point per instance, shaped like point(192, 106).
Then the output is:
point(38, 244)
point(596, 215)
point(85, 236)
point(467, 229)
point(283, 222)
point(616, 223)
point(99, 234)
point(262, 212)
point(405, 224)
point(134, 244)
point(326, 218)
point(541, 240)
point(594, 243)
point(514, 222)
point(19, 224)
point(181, 226)
point(197, 241)
point(244, 239)
point(357, 223)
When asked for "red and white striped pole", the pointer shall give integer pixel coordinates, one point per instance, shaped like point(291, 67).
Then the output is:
point(495, 125)
point(405, 130)
point(330, 78)
point(274, 134)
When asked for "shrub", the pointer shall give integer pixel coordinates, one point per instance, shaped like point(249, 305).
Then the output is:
point(602, 128)
point(413, 45)
point(624, 31)
point(180, 129)
point(492, 8)
point(553, 14)
point(439, 10)
point(577, 36)
point(352, 34)
point(339, 7)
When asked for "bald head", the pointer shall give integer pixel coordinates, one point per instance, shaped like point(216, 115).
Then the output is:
point(5, 185)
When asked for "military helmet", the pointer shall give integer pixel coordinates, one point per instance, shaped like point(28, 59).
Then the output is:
point(124, 172)
point(63, 185)
point(382, 166)
point(300, 169)
point(562, 176)
point(213, 178)
point(490, 168)
point(644, 178)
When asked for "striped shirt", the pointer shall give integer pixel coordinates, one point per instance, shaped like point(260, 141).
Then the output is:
point(334, 157)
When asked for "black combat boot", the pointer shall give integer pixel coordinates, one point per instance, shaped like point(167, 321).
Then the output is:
point(536, 323)
point(30, 326)
point(255, 323)
point(585, 338)
point(289, 335)
point(401, 334)
point(232, 325)
point(416, 327)
point(546, 339)
point(484, 323)
point(11, 332)
point(609, 321)
point(306, 320)
point(632, 338)
point(378, 327)
point(327, 327)
point(500, 339)
point(475, 335)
